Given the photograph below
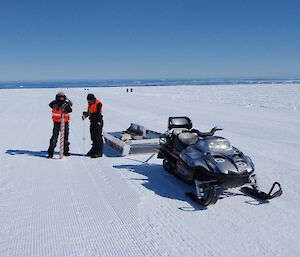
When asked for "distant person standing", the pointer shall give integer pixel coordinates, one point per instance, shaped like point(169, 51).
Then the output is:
point(95, 115)
point(61, 105)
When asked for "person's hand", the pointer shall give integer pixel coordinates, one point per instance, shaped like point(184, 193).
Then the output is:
point(84, 115)
point(64, 106)
point(69, 102)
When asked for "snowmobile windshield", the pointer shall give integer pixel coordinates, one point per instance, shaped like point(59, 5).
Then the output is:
point(213, 144)
point(219, 145)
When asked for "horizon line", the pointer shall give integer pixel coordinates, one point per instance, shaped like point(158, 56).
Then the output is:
point(154, 79)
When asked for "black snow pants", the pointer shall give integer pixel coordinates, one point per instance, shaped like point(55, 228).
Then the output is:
point(54, 138)
point(96, 137)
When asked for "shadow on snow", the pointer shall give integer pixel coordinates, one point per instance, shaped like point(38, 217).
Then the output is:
point(167, 185)
point(42, 154)
point(110, 152)
point(107, 151)
point(162, 183)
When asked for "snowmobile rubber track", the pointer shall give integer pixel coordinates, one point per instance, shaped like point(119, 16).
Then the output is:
point(212, 199)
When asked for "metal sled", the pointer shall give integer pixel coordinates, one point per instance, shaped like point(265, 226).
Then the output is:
point(135, 140)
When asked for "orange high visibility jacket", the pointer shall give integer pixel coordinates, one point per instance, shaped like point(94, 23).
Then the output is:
point(92, 108)
point(57, 114)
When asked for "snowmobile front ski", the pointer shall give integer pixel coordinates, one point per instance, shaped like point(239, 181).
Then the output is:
point(260, 195)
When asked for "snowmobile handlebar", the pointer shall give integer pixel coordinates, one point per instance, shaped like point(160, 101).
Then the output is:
point(215, 129)
point(205, 134)
point(199, 133)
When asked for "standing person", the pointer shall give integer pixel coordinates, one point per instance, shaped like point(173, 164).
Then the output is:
point(61, 105)
point(95, 115)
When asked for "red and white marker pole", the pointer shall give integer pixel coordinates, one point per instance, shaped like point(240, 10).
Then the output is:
point(62, 136)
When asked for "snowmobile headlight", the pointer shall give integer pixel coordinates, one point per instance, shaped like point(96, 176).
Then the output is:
point(241, 164)
point(219, 145)
point(219, 159)
point(249, 169)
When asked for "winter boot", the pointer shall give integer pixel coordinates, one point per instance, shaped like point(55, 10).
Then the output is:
point(91, 152)
point(96, 155)
point(50, 155)
point(66, 148)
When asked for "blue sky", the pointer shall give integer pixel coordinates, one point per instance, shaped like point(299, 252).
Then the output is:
point(56, 40)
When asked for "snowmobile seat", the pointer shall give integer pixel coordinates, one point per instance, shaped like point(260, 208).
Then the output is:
point(188, 138)
point(184, 139)
point(177, 131)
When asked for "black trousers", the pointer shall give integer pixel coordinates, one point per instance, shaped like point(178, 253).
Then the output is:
point(54, 138)
point(96, 137)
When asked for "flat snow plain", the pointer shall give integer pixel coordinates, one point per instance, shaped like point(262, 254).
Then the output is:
point(129, 206)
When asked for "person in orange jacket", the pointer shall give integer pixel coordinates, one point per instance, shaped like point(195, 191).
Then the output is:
point(61, 105)
point(95, 115)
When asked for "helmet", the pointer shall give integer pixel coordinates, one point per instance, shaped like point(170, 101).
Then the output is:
point(90, 97)
point(60, 97)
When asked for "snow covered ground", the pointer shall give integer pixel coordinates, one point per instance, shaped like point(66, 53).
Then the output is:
point(129, 206)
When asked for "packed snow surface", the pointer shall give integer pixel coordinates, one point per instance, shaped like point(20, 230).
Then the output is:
point(129, 206)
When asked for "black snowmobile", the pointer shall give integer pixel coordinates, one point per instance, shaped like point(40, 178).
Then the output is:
point(208, 161)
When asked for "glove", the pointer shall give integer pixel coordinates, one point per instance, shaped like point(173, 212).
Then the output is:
point(84, 115)
point(63, 107)
point(68, 101)
point(55, 106)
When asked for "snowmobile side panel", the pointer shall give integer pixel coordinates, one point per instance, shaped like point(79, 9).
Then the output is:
point(160, 155)
point(193, 157)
